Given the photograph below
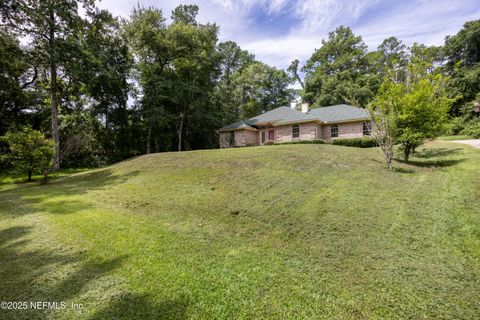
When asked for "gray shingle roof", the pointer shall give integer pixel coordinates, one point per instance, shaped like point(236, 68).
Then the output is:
point(237, 125)
point(283, 115)
point(277, 115)
point(338, 113)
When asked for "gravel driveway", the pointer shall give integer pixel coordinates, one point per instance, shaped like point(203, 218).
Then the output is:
point(474, 142)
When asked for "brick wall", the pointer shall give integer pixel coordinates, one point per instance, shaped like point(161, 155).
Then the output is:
point(225, 139)
point(246, 138)
point(242, 138)
point(345, 130)
point(308, 131)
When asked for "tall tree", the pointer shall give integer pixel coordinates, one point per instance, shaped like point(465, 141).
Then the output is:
point(14, 79)
point(232, 61)
point(261, 88)
point(336, 73)
point(146, 33)
point(393, 58)
point(294, 71)
point(462, 54)
point(47, 24)
point(178, 66)
point(195, 65)
point(105, 66)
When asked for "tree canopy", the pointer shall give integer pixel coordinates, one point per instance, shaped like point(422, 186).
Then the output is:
point(337, 72)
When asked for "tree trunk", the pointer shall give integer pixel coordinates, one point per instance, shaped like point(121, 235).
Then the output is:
point(149, 135)
point(29, 175)
point(389, 158)
point(299, 80)
point(180, 131)
point(45, 177)
point(53, 92)
point(406, 153)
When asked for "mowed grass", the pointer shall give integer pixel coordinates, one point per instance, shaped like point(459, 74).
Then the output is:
point(278, 232)
point(459, 137)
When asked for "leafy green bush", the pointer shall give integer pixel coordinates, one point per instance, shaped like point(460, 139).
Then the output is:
point(472, 128)
point(455, 126)
point(356, 142)
point(316, 141)
point(29, 152)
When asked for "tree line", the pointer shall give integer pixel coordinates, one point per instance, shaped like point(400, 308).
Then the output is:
point(104, 89)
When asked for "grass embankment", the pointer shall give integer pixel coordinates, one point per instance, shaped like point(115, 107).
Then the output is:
point(300, 231)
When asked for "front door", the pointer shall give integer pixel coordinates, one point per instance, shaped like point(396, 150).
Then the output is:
point(271, 135)
point(263, 137)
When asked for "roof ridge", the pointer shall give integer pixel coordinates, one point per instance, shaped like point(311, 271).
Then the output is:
point(285, 114)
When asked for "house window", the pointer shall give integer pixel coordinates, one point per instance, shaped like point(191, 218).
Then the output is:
point(334, 131)
point(232, 137)
point(295, 131)
point(271, 135)
point(263, 136)
point(367, 128)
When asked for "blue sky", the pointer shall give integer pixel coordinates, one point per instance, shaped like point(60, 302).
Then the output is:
point(278, 31)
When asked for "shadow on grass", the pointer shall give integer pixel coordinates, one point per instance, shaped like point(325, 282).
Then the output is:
point(432, 163)
point(43, 198)
point(42, 275)
point(12, 233)
point(134, 306)
point(428, 153)
point(96, 180)
point(433, 157)
point(14, 178)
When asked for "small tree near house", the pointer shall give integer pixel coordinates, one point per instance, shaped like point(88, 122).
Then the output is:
point(30, 152)
point(423, 112)
point(408, 113)
point(384, 113)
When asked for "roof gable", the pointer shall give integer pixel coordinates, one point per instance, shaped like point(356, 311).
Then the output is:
point(237, 125)
point(277, 115)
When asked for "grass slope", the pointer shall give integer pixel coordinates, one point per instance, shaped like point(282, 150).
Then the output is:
point(300, 231)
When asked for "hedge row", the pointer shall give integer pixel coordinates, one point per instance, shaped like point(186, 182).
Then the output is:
point(351, 142)
point(317, 141)
point(356, 142)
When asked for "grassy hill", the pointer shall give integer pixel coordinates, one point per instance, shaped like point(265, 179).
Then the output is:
point(298, 231)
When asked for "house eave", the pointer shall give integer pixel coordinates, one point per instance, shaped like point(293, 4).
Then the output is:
point(237, 129)
point(346, 121)
point(296, 121)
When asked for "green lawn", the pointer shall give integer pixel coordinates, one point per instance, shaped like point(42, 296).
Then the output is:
point(451, 138)
point(279, 232)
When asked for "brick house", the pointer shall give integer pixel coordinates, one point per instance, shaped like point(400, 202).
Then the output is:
point(285, 124)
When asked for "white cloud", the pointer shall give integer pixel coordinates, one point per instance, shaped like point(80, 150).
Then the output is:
point(320, 16)
point(425, 21)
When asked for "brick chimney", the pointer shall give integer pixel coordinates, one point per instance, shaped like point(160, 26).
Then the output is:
point(305, 107)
